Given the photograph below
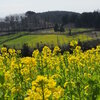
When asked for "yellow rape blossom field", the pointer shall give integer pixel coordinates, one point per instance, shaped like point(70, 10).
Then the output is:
point(50, 75)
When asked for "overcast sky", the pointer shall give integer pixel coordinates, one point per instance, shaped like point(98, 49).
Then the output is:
point(20, 6)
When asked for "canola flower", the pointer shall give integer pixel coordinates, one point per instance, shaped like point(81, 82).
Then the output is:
point(73, 43)
point(50, 75)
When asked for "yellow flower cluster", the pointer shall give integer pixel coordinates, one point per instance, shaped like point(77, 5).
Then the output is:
point(44, 89)
point(73, 43)
point(50, 75)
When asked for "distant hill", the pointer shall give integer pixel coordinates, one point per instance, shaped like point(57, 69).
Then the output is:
point(55, 16)
point(31, 21)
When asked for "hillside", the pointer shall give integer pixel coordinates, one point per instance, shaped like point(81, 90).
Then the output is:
point(31, 21)
point(55, 16)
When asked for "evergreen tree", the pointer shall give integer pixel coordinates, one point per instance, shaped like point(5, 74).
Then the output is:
point(62, 28)
point(56, 28)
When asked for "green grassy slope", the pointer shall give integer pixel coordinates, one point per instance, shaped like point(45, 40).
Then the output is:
point(32, 40)
point(43, 36)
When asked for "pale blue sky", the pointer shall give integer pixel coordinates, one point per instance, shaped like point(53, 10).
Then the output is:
point(20, 6)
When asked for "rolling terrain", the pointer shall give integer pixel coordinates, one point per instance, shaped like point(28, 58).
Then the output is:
point(47, 37)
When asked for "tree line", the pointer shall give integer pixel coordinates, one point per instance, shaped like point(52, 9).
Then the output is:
point(86, 19)
point(31, 21)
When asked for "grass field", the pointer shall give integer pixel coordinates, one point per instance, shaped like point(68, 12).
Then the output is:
point(73, 30)
point(32, 40)
point(45, 37)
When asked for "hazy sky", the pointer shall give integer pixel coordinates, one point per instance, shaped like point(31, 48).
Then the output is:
point(20, 6)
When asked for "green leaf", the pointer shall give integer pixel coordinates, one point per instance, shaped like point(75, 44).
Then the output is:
point(1, 77)
point(1, 94)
